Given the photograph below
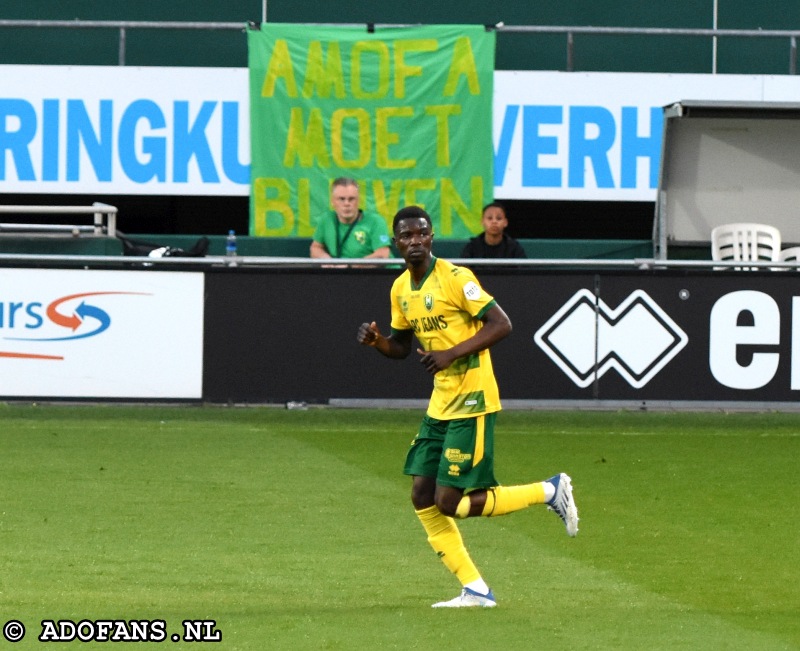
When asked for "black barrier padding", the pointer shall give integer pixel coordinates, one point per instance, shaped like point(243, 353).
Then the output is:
point(277, 335)
point(291, 335)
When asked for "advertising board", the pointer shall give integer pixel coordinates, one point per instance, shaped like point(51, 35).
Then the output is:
point(186, 131)
point(101, 334)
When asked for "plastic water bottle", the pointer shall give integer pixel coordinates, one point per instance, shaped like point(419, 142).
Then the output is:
point(230, 244)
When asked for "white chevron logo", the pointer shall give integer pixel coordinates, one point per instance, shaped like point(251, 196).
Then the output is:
point(586, 338)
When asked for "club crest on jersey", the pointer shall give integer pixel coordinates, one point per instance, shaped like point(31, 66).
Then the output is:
point(428, 302)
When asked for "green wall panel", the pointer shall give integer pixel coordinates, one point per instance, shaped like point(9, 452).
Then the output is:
point(514, 50)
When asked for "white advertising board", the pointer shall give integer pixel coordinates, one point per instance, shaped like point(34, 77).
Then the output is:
point(597, 136)
point(101, 334)
point(185, 131)
point(120, 130)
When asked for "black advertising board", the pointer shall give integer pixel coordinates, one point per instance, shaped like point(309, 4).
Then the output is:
point(274, 336)
point(652, 336)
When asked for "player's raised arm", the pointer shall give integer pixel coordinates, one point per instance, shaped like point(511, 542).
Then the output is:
point(395, 346)
point(496, 326)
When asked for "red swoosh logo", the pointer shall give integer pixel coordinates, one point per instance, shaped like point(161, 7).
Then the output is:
point(29, 356)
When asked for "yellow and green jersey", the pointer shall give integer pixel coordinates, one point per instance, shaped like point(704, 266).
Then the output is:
point(444, 310)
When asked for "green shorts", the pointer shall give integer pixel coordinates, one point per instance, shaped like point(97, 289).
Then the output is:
point(457, 452)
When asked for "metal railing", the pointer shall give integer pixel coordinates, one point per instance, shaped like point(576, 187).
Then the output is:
point(122, 26)
point(98, 228)
point(791, 35)
point(647, 265)
point(569, 31)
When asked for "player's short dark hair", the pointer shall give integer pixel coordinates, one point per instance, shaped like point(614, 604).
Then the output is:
point(410, 212)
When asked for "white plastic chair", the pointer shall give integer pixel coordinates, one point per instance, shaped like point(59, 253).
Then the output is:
point(791, 254)
point(745, 242)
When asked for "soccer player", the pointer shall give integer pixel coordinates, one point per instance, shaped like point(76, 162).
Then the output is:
point(451, 459)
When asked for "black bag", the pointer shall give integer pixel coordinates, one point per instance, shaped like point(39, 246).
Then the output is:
point(151, 250)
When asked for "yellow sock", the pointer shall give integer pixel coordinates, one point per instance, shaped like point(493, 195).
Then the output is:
point(445, 538)
point(507, 499)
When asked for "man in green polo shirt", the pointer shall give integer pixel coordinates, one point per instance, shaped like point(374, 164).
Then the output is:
point(348, 232)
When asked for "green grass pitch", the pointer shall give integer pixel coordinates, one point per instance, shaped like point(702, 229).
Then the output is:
point(293, 530)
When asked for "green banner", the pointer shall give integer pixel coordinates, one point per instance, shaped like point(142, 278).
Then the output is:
point(407, 112)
